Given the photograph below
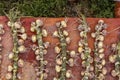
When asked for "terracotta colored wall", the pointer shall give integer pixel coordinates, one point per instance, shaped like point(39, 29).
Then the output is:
point(28, 72)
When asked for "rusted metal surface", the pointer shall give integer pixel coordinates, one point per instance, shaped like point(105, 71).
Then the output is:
point(28, 71)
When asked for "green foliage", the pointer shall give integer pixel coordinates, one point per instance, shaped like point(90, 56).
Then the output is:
point(102, 8)
point(46, 8)
point(60, 8)
point(14, 14)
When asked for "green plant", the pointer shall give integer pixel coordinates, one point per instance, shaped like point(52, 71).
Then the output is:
point(45, 8)
point(102, 8)
point(18, 33)
point(61, 69)
point(60, 8)
point(84, 49)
